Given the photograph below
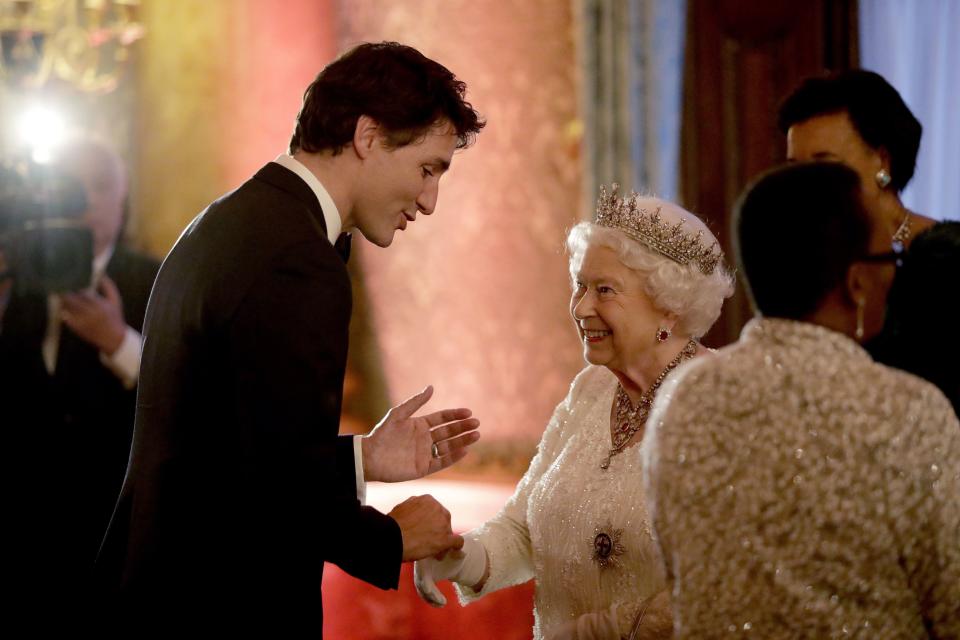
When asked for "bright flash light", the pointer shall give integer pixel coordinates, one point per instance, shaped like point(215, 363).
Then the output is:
point(41, 129)
point(42, 155)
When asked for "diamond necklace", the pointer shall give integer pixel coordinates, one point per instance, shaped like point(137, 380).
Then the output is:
point(902, 234)
point(629, 418)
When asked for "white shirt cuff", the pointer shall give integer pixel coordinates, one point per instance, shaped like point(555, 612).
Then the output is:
point(125, 361)
point(358, 470)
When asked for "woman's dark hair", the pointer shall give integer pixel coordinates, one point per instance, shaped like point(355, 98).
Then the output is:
point(877, 111)
point(396, 85)
point(923, 312)
point(796, 230)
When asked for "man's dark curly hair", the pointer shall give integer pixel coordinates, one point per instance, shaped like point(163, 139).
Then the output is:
point(396, 85)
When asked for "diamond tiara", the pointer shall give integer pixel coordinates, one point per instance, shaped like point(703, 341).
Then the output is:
point(650, 230)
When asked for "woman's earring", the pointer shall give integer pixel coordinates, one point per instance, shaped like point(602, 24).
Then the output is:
point(662, 334)
point(861, 303)
point(883, 178)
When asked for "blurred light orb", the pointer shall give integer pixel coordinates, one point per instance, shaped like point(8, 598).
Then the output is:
point(41, 129)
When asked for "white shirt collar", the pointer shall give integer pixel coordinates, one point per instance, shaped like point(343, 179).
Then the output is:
point(330, 213)
point(100, 263)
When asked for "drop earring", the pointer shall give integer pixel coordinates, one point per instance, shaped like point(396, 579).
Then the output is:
point(861, 303)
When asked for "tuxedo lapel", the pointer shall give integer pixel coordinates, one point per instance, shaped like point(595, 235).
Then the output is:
point(282, 178)
point(287, 181)
point(342, 245)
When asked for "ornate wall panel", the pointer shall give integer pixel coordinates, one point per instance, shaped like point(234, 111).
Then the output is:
point(177, 156)
point(474, 298)
point(219, 85)
point(743, 57)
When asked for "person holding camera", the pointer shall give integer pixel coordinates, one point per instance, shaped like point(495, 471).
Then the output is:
point(69, 365)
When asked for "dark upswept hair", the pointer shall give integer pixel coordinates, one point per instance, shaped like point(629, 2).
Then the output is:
point(396, 85)
point(877, 112)
point(796, 230)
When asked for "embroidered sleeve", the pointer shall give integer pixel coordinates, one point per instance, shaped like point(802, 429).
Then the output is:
point(506, 537)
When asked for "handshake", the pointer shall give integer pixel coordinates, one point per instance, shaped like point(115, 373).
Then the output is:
point(440, 553)
point(405, 447)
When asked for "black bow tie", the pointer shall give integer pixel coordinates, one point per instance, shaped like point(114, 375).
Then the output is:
point(342, 246)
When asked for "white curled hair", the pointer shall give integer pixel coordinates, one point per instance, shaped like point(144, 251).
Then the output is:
point(683, 290)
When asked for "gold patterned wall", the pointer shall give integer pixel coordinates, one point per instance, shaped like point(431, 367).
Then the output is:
point(473, 299)
point(219, 83)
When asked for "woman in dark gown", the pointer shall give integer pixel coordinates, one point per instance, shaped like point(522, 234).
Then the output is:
point(923, 312)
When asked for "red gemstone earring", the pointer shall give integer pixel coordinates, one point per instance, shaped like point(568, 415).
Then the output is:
point(662, 334)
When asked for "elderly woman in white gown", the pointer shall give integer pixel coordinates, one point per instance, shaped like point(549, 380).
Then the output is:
point(648, 280)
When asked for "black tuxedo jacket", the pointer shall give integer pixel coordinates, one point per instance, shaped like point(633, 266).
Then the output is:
point(66, 442)
point(239, 487)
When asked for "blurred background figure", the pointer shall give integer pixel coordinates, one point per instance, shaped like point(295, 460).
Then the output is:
point(69, 364)
point(923, 311)
point(857, 118)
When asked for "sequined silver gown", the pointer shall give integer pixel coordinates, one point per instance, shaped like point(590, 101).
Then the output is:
point(800, 490)
point(566, 510)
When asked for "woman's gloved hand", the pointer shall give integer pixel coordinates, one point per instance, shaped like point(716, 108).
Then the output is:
point(467, 566)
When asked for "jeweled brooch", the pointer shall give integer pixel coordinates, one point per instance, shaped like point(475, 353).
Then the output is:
point(607, 546)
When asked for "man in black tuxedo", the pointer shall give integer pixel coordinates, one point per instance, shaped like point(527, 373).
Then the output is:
point(239, 488)
point(68, 373)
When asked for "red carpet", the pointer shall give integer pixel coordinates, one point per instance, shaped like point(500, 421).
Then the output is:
point(354, 610)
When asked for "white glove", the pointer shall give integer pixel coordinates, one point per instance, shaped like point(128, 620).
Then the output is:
point(466, 566)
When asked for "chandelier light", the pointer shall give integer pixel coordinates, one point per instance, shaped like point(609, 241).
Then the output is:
point(85, 43)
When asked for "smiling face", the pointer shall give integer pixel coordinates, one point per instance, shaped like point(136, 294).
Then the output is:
point(615, 317)
point(400, 181)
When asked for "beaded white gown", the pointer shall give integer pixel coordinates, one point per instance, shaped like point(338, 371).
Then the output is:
point(580, 531)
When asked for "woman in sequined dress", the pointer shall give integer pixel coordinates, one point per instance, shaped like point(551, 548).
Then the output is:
point(648, 280)
point(798, 489)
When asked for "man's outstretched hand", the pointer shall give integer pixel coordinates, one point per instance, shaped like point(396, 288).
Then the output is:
point(402, 446)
